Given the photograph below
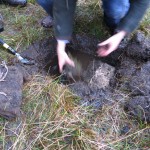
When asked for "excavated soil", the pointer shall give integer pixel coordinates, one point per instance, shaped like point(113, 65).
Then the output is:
point(96, 80)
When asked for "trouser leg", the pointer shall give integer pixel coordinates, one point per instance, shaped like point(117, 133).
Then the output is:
point(47, 6)
point(114, 11)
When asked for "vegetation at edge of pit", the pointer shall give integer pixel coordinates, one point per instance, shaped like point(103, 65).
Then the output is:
point(53, 117)
point(55, 120)
point(22, 27)
point(89, 19)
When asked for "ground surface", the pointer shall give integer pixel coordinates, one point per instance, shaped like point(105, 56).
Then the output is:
point(53, 118)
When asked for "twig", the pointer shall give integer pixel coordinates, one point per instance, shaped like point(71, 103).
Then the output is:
point(3, 75)
point(2, 93)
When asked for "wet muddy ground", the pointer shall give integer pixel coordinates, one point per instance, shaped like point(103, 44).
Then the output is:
point(96, 80)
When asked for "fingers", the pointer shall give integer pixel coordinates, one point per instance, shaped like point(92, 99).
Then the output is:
point(104, 43)
point(107, 47)
point(104, 50)
point(70, 62)
point(60, 67)
point(63, 60)
point(104, 53)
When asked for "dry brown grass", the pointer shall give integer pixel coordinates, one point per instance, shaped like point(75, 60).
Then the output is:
point(53, 118)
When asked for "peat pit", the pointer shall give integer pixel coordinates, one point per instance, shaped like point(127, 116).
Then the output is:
point(126, 71)
point(103, 81)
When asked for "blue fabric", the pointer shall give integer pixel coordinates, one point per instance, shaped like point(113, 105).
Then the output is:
point(114, 11)
point(47, 6)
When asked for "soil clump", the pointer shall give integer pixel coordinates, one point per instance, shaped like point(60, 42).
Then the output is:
point(11, 83)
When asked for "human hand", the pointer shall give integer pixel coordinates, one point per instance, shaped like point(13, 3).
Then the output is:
point(111, 44)
point(62, 56)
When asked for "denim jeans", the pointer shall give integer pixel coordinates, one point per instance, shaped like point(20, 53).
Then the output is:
point(114, 11)
point(47, 6)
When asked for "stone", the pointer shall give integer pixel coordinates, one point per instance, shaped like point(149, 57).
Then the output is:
point(139, 107)
point(11, 82)
point(98, 74)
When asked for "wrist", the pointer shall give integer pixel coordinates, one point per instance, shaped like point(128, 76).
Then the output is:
point(60, 46)
point(122, 33)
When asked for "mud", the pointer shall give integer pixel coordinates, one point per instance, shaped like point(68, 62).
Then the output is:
point(139, 47)
point(125, 70)
point(91, 97)
point(94, 75)
point(133, 76)
point(43, 53)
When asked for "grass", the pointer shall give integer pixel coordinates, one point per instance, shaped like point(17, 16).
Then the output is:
point(145, 24)
point(53, 118)
point(91, 19)
point(22, 27)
